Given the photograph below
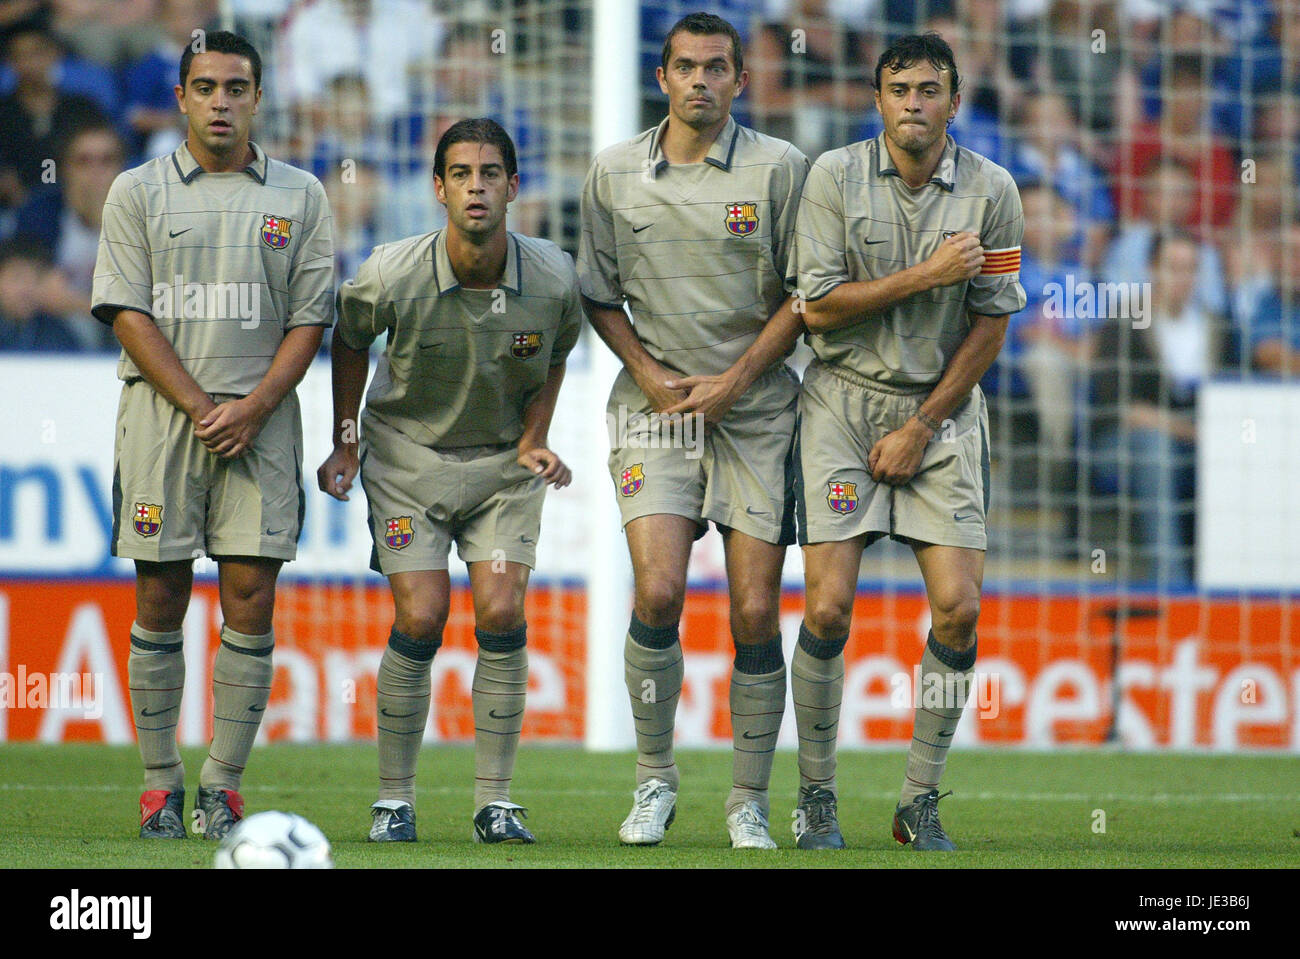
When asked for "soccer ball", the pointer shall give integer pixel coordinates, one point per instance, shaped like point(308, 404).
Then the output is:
point(274, 840)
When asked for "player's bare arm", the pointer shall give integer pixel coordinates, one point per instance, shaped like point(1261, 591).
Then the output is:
point(534, 454)
point(348, 370)
point(958, 259)
point(614, 327)
point(158, 363)
point(230, 428)
point(896, 456)
point(713, 396)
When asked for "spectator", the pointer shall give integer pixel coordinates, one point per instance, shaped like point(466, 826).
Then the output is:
point(342, 128)
point(382, 40)
point(72, 72)
point(1252, 255)
point(150, 81)
point(106, 32)
point(354, 195)
point(1183, 133)
point(36, 116)
point(23, 323)
point(1052, 339)
point(1166, 205)
point(1048, 150)
point(1071, 61)
point(809, 76)
point(65, 219)
point(1146, 376)
point(1272, 332)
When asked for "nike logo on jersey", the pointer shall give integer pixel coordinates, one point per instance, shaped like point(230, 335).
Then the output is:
point(525, 540)
point(638, 229)
point(822, 727)
point(275, 532)
point(157, 712)
point(175, 233)
point(493, 714)
point(746, 734)
point(873, 242)
point(962, 516)
point(385, 712)
point(753, 512)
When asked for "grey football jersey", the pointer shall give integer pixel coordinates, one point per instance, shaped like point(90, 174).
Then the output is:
point(224, 263)
point(859, 221)
point(699, 250)
point(460, 366)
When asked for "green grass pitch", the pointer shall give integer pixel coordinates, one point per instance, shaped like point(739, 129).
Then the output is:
point(1009, 809)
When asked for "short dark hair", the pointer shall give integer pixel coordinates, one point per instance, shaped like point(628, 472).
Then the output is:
point(705, 25)
point(478, 130)
point(36, 23)
point(222, 41)
point(906, 51)
point(104, 127)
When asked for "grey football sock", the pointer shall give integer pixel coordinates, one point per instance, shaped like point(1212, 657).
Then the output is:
point(500, 686)
point(402, 693)
point(652, 669)
point(241, 685)
point(757, 705)
point(155, 672)
point(945, 685)
point(817, 685)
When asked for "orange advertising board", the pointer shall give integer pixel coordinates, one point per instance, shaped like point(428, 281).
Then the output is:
point(1194, 672)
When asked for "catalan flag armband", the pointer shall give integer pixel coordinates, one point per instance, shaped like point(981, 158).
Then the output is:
point(1001, 262)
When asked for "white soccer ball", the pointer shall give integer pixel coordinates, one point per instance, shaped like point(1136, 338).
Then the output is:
point(274, 840)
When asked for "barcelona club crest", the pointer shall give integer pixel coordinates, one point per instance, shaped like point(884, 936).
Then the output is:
point(742, 218)
point(148, 519)
point(398, 533)
point(524, 345)
point(633, 480)
point(275, 231)
point(843, 497)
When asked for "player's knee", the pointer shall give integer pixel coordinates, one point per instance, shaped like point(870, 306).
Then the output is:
point(422, 622)
point(659, 602)
point(954, 619)
point(160, 611)
point(829, 616)
point(162, 596)
point(754, 619)
point(499, 615)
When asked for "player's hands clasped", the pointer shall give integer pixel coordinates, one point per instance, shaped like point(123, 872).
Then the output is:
point(896, 456)
point(654, 384)
point(229, 428)
point(958, 259)
point(709, 396)
point(336, 474)
point(547, 465)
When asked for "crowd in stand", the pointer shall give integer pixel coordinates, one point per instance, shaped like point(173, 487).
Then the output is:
point(1155, 143)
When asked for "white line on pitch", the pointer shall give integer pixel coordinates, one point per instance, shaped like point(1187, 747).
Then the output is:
point(983, 796)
